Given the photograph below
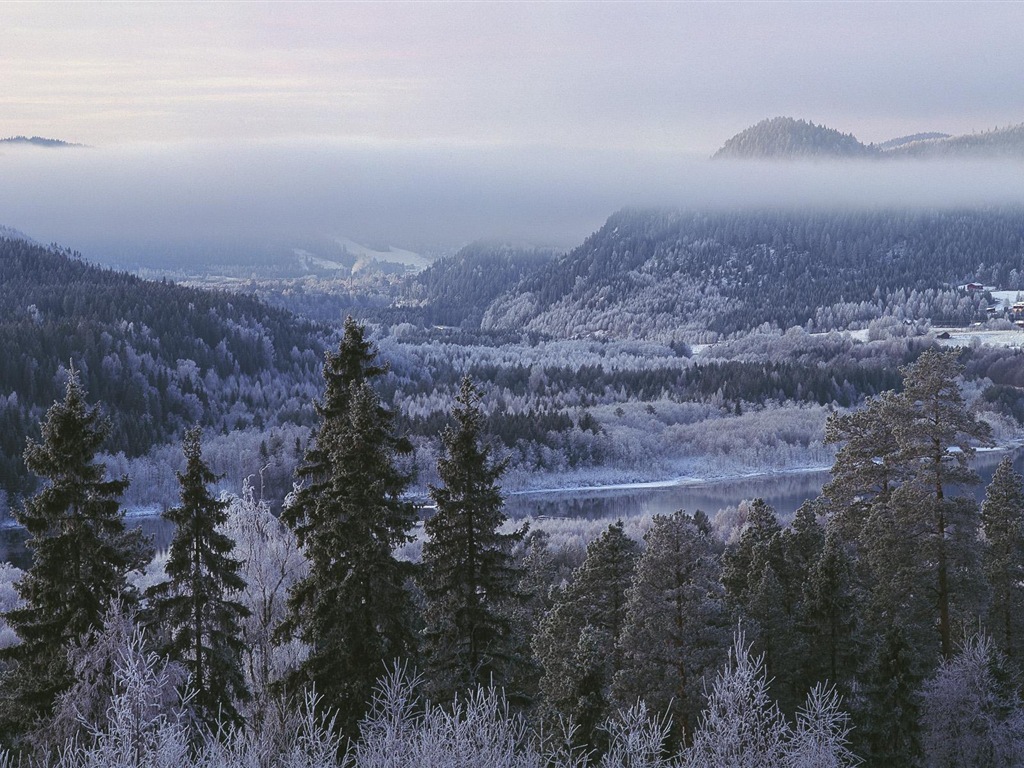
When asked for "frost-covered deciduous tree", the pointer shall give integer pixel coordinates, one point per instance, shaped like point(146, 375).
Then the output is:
point(476, 728)
point(137, 730)
point(971, 711)
point(741, 727)
point(96, 661)
point(822, 733)
point(10, 575)
point(271, 563)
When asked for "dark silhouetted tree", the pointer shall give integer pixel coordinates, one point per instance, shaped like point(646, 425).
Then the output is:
point(81, 555)
point(198, 621)
point(354, 609)
point(1002, 515)
point(576, 641)
point(469, 577)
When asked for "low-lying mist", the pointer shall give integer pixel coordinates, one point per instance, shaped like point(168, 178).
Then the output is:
point(215, 202)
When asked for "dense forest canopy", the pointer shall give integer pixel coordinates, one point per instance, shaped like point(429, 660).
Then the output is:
point(699, 276)
point(785, 137)
point(167, 356)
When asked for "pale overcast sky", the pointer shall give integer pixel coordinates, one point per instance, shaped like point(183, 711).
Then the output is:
point(432, 124)
point(666, 76)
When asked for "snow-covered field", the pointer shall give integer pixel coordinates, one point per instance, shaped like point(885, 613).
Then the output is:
point(964, 337)
point(1008, 298)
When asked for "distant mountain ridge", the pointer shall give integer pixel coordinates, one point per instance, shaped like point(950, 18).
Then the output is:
point(39, 141)
point(787, 138)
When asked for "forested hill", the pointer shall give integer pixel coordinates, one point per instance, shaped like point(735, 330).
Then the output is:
point(999, 142)
point(457, 289)
point(690, 276)
point(38, 141)
point(786, 137)
point(160, 356)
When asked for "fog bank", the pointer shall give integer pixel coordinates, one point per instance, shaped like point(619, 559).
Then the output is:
point(142, 204)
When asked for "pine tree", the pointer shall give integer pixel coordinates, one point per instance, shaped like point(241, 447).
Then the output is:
point(354, 608)
point(1002, 514)
point(675, 630)
point(81, 555)
point(936, 436)
point(200, 623)
point(866, 468)
point(469, 578)
point(888, 730)
point(917, 545)
point(830, 614)
point(760, 539)
point(576, 641)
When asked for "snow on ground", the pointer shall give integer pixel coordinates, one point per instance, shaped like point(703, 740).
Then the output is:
point(965, 337)
point(311, 260)
point(391, 255)
point(676, 482)
point(1008, 298)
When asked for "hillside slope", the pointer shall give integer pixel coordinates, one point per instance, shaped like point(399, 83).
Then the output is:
point(160, 356)
point(693, 276)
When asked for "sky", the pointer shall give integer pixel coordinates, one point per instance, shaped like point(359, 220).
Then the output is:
point(678, 76)
point(606, 102)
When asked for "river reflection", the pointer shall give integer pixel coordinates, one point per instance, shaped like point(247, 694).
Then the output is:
point(785, 492)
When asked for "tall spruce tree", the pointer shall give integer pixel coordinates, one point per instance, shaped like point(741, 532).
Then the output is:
point(675, 632)
point(81, 556)
point(760, 541)
point(199, 623)
point(1002, 514)
point(888, 732)
point(469, 577)
point(576, 641)
point(830, 615)
point(354, 609)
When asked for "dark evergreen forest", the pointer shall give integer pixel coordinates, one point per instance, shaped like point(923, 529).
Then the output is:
point(162, 356)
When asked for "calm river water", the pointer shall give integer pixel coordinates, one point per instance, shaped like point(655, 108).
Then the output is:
point(785, 492)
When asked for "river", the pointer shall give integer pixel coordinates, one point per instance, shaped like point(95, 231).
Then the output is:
point(784, 491)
